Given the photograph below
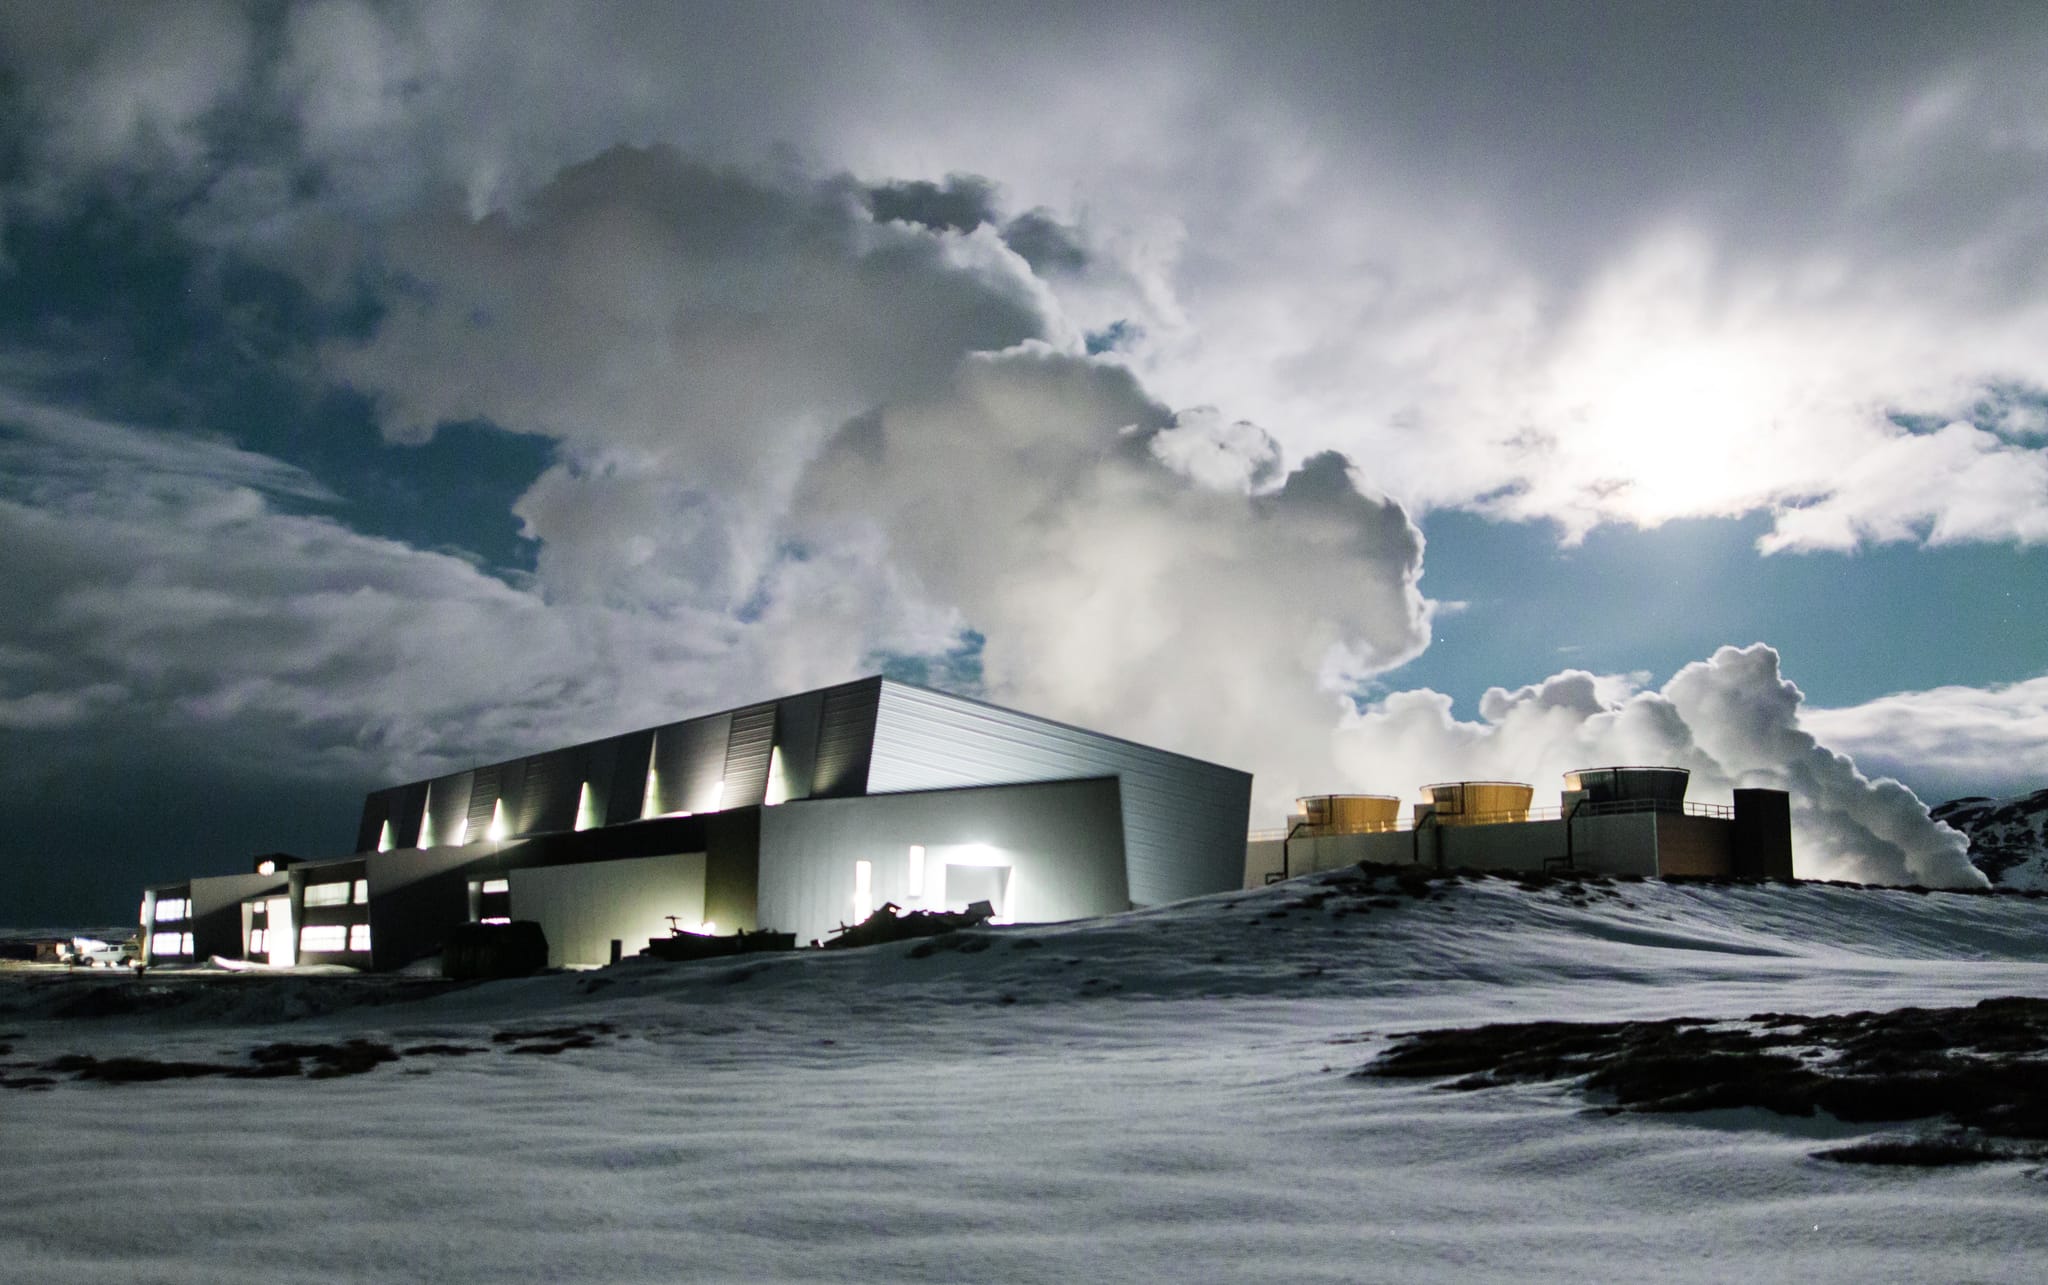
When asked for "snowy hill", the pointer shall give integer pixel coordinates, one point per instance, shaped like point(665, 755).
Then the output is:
point(2008, 837)
point(1159, 1095)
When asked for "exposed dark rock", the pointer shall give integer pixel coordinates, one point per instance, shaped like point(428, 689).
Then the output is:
point(1981, 1070)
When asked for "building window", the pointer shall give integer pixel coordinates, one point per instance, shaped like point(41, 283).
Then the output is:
point(256, 946)
point(362, 892)
point(323, 938)
point(359, 937)
point(328, 894)
point(496, 885)
point(170, 909)
point(915, 887)
point(170, 943)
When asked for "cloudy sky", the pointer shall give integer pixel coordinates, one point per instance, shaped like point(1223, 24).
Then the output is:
point(1364, 396)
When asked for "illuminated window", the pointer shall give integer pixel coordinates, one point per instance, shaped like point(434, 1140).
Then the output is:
point(495, 885)
point(318, 938)
point(916, 884)
point(359, 937)
point(328, 894)
point(586, 809)
point(170, 944)
point(362, 893)
point(266, 867)
point(385, 842)
point(170, 909)
point(495, 919)
point(256, 946)
point(863, 889)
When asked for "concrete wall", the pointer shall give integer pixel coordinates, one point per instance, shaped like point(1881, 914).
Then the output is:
point(417, 895)
point(584, 908)
point(1623, 844)
point(217, 919)
point(1062, 842)
point(1695, 845)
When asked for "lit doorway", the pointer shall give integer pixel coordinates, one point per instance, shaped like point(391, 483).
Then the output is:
point(280, 934)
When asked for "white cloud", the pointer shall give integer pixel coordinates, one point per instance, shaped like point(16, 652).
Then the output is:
point(1030, 496)
point(1948, 741)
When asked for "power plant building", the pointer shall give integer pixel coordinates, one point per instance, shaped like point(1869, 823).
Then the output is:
point(800, 814)
point(1610, 820)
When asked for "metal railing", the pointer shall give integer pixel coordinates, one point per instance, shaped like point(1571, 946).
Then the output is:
point(1619, 807)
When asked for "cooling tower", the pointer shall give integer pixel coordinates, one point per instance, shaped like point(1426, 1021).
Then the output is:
point(1476, 802)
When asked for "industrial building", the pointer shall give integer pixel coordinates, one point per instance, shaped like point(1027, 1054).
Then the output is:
point(1610, 820)
point(799, 814)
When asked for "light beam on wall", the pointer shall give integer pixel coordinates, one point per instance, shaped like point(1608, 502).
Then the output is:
point(651, 796)
point(385, 842)
point(778, 784)
point(498, 827)
point(586, 809)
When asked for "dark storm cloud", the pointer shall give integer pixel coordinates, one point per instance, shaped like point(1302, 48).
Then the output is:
point(963, 203)
point(1048, 245)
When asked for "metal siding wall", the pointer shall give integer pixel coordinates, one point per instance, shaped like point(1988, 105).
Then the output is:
point(483, 800)
point(689, 759)
point(554, 782)
point(746, 756)
point(412, 807)
point(447, 806)
point(1184, 819)
point(628, 777)
point(1062, 840)
point(377, 809)
point(846, 740)
point(796, 734)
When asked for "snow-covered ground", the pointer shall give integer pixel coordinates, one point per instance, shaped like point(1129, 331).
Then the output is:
point(1158, 1096)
